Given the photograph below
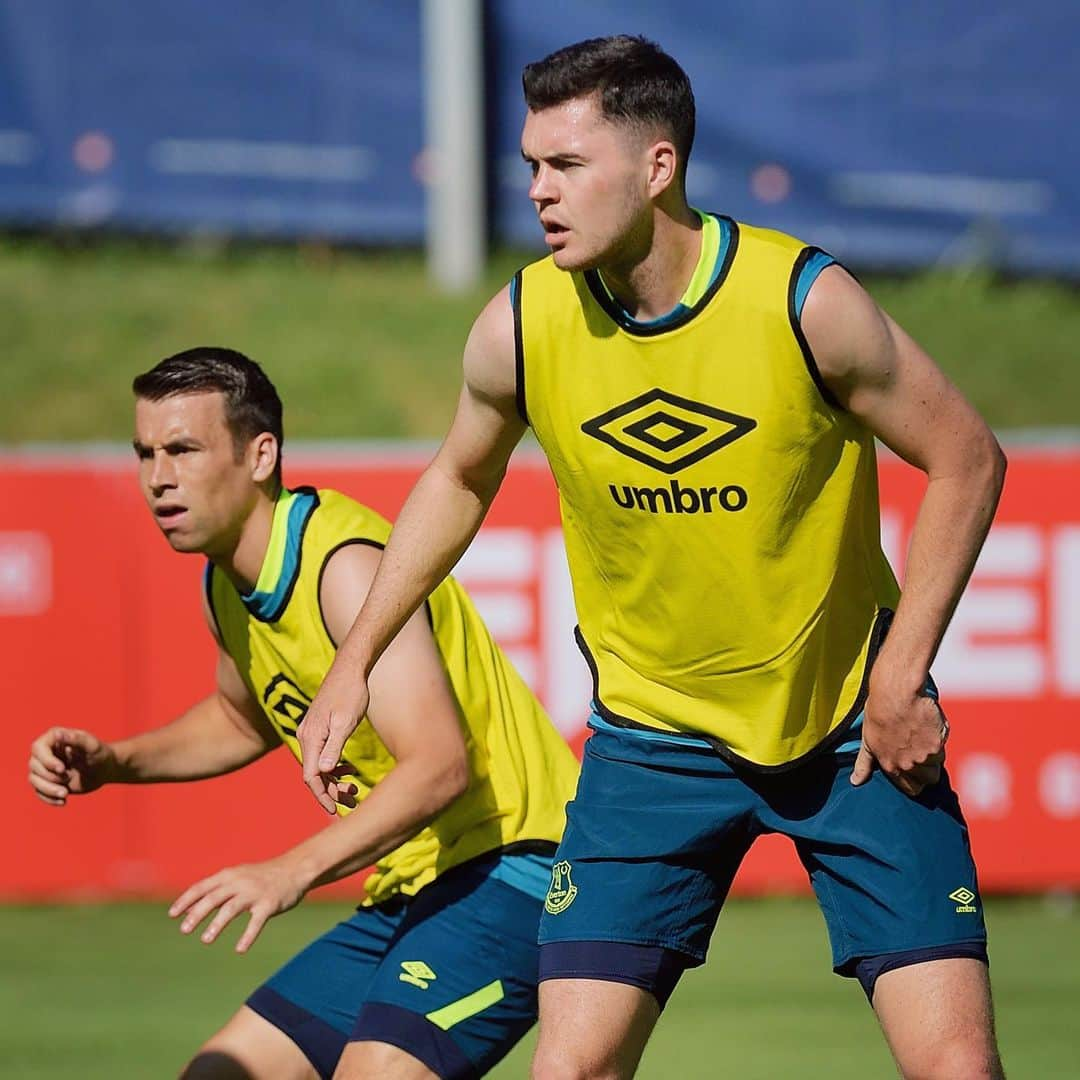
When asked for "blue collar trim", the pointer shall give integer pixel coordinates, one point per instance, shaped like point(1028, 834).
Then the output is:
point(269, 606)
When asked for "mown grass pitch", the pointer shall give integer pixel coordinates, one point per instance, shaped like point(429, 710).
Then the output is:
point(361, 346)
point(113, 992)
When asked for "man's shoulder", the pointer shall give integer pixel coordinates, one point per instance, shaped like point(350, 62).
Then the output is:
point(339, 519)
point(331, 500)
point(331, 503)
point(769, 242)
point(541, 292)
point(769, 254)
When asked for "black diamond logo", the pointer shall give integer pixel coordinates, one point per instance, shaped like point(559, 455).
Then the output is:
point(286, 699)
point(667, 432)
point(645, 430)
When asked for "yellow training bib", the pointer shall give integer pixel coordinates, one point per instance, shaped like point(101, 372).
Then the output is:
point(522, 773)
point(720, 510)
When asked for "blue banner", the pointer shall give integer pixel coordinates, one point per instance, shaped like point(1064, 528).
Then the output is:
point(893, 134)
point(248, 116)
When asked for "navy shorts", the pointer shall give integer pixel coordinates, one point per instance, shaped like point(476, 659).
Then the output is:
point(660, 825)
point(448, 976)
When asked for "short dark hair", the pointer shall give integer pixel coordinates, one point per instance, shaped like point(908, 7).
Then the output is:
point(252, 405)
point(636, 81)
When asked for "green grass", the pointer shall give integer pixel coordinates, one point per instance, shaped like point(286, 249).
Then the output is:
point(361, 347)
point(114, 992)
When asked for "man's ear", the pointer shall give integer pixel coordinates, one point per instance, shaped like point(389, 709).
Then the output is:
point(663, 166)
point(263, 453)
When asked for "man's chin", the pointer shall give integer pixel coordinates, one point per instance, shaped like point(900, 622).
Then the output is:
point(185, 544)
point(571, 261)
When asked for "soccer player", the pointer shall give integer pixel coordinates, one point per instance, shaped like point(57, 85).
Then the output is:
point(456, 780)
point(707, 394)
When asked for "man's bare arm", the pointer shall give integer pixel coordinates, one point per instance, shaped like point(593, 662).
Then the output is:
point(221, 733)
point(435, 526)
point(892, 386)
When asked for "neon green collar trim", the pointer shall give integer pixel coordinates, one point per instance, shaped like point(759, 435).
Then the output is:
point(703, 276)
point(705, 271)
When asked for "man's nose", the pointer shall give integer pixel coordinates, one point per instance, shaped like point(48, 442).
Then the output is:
point(540, 190)
point(162, 474)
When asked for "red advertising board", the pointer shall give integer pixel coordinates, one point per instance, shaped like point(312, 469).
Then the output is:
point(100, 627)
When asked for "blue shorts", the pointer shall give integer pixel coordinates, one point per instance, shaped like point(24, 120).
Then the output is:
point(448, 975)
point(660, 825)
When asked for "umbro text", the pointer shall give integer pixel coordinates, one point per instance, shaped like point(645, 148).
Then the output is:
point(676, 499)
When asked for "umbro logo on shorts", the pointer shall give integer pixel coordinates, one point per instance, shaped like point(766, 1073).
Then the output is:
point(963, 898)
point(667, 432)
point(417, 973)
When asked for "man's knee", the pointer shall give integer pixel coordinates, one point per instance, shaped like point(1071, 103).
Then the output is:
point(367, 1058)
point(216, 1063)
point(249, 1047)
point(970, 1056)
point(554, 1064)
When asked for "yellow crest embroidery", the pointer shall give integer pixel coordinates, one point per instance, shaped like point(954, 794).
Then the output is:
point(562, 892)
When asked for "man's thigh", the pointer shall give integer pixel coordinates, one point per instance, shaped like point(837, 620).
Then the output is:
point(654, 836)
point(894, 875)
point(572, 1043)
point(456, 988)
point(938, 1019)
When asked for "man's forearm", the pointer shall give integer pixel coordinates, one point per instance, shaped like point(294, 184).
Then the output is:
point(205, 741)
point(398, 807)
point(437, 523)
point(953, 520)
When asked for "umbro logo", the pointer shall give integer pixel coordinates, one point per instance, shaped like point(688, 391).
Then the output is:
point(667, 432)
point(963, 898)
point(417, 973)
point(284, 698)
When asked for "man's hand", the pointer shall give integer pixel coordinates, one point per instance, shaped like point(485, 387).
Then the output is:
point(66, 761)
point(265, 889)
point(332, 717)
point(905, 734)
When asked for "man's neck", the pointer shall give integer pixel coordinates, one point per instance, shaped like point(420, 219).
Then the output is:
point(652, 281)
point(243, 559)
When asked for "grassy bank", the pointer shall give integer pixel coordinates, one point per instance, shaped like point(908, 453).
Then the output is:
point(362, 347)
